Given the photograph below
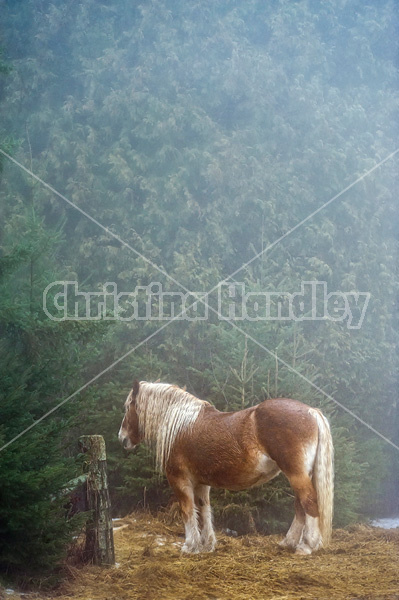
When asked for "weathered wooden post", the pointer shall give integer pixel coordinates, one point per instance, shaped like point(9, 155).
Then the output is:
point(99, 546)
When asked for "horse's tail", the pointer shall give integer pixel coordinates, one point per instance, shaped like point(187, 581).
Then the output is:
point(323, 476)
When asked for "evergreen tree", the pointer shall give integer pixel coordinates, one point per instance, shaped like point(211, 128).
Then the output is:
point(38, 366)
point(201, 133)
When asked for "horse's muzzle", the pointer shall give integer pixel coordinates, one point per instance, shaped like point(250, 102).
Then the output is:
point(126, 443)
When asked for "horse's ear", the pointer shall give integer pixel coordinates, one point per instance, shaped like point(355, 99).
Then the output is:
point(135, 389)
point(184, 388)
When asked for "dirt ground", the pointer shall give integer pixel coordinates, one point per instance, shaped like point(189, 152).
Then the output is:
point(362, 562)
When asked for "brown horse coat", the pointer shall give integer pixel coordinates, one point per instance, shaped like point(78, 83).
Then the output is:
point(200, 447)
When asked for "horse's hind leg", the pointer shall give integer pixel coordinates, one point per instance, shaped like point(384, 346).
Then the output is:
point(294, 534)
point(310, 539)
point(185, 494)
point(208, 538)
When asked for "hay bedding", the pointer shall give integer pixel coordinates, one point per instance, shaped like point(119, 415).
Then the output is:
point(361, 563)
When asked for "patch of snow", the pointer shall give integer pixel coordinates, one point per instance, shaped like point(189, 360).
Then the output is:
point(160, 541)
point(120, 527)
point(230, 532)
point(391, 523)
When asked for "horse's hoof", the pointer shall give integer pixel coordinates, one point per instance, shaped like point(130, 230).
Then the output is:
point(208, 544)
point(189, 550)
point(285, 545)
point(316, 546)
point(303, 550)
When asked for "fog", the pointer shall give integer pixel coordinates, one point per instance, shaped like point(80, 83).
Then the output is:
point(216, 183)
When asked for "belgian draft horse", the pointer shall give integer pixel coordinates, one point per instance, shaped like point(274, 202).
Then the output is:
point(200, 447)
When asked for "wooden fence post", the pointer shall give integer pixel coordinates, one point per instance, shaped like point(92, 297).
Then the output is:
point(99, 546)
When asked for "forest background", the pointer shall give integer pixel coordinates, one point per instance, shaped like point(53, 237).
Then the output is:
point(199, 133)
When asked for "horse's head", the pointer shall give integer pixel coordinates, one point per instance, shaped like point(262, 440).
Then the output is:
point(129, 435)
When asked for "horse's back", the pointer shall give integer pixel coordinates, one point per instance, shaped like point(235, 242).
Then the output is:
point(240, 449)
point(222, 450)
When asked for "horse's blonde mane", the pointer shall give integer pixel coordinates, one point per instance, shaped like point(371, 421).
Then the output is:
point(164, 412)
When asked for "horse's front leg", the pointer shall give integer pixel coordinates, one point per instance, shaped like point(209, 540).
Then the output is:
point(202, 502)
point(185, 494)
